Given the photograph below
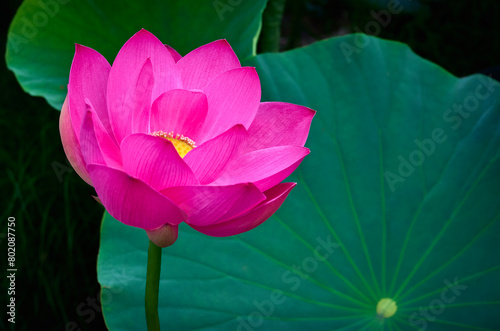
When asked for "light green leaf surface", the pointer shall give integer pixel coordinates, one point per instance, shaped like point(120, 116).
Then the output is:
point(346, 236)
point(42, 35)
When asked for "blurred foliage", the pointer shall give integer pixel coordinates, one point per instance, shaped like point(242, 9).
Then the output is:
point(58, 222)
point(462, 36)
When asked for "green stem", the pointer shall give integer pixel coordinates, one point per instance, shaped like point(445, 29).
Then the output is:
point(152, 287)
point(271, 26)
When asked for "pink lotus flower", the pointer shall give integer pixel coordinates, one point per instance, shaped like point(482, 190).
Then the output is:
point(166, 139)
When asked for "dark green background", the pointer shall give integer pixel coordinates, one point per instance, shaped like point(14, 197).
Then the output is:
point(58, 222)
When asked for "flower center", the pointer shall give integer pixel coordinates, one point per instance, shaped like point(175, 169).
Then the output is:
point(182, 144)
point(386, 307)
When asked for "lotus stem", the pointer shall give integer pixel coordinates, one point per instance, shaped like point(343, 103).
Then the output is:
point(152, 287)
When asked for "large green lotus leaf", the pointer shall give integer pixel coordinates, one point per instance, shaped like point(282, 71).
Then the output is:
point(398, 199)
point(42, 35)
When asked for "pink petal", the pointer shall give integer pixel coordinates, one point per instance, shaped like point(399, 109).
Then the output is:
point(125, 71)
point(203, 64)
point(179, 111)
point(209, 159)
point(88, 141)
point(70, 143)
point(279, 124)
point(132, 201)
point(175, 55)
point(137, 104)
point(155, 161)
point(274, 198)
point(233, 98)
point(205, 205)
point(88, 78)
point(265, 168)
point(96, 145)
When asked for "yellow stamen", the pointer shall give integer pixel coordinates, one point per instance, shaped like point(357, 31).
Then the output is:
point(182, 144)
point(386, 307)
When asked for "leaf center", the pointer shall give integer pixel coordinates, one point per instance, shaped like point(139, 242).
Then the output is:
point(386, 307)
